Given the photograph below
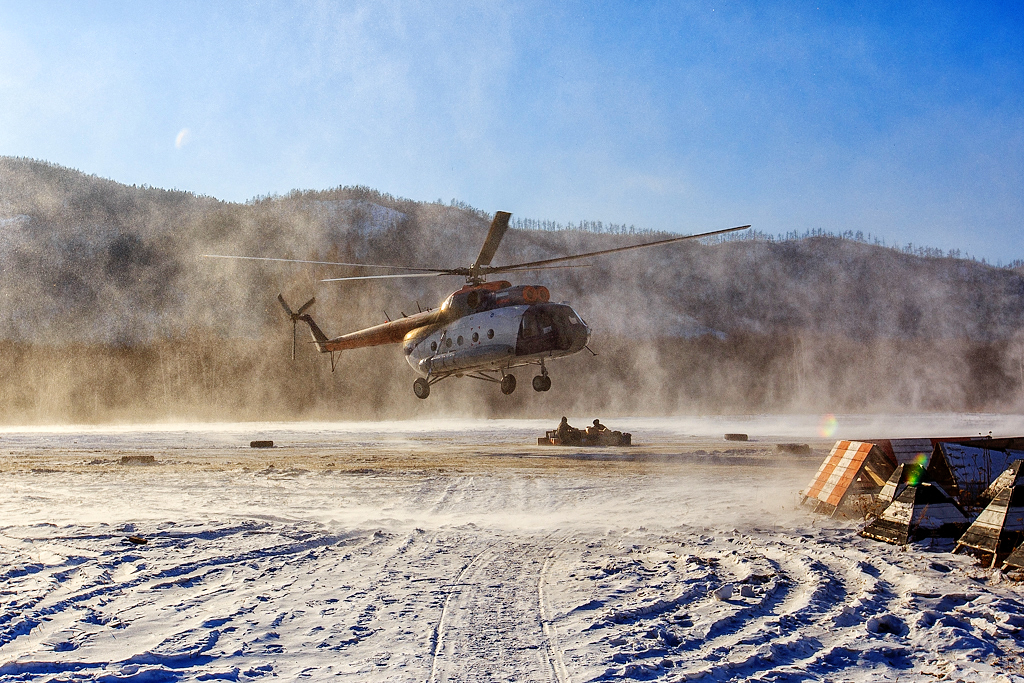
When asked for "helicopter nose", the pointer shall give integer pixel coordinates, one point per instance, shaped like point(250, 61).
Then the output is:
point(578, 333)
point(583, 336)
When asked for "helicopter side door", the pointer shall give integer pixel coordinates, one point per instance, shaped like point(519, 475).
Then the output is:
point(542, 330)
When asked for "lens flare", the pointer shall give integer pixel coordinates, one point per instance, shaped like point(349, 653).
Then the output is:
point(828, 426)
point(917, 468)
point(184, 135)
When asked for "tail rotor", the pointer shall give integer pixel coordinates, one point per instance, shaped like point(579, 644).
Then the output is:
point(296, 316)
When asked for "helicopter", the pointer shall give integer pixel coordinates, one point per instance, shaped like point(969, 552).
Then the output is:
point(480, 331)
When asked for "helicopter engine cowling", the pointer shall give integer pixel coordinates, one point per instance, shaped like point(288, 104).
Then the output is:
point(488, 296)
point(522, 294)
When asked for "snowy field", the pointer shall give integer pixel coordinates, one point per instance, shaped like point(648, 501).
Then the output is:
point(458, 551)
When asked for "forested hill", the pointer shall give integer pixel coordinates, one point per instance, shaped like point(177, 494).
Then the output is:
point(92, 262)
point(107, 262)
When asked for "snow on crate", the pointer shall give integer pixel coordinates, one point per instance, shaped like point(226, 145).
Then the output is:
point(917, 451)
point(1015, 562)
point(920, 451)
point(1004, 480)
point(921, 511)
point(1000, 526)
point(966, 471)
point(907, 451)
point(849, 478)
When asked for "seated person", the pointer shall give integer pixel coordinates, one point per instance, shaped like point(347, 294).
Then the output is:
point(567, 433)
point(564, 429)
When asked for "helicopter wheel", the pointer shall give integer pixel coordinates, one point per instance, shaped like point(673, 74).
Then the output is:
point(421, 388)
point(508, 384)
point(541, 383)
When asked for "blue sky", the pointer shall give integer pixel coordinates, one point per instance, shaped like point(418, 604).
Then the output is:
point(899, 119)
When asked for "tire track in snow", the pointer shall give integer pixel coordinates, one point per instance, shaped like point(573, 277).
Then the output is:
point(811, 615)
point(843, 626)
point(754, 637)
point(552, 646)
point(743, 627)
point(795, 617)
point(494, 619)
point(437, 663)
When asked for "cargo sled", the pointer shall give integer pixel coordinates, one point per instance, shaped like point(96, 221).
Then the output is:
point(605, 438)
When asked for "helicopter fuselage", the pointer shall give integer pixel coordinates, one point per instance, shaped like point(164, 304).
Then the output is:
point(498, 339)
point(491, 326)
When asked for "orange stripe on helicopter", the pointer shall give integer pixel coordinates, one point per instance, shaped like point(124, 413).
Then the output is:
point(386, 333)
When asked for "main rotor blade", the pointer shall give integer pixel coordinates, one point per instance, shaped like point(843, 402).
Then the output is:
point(456, 271)
point(498, 227)
point(530, 269)
point(561, 259)
point(303, 307)
point(323, 263)
point(390, 277)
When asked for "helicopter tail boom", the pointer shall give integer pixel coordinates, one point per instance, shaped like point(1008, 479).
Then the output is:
point(318, 336)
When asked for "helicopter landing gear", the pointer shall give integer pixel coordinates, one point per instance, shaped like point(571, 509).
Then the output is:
point(421, 388)
point(508, 384)
point(542, 382)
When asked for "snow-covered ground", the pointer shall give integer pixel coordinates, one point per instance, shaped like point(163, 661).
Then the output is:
point(429, 551)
